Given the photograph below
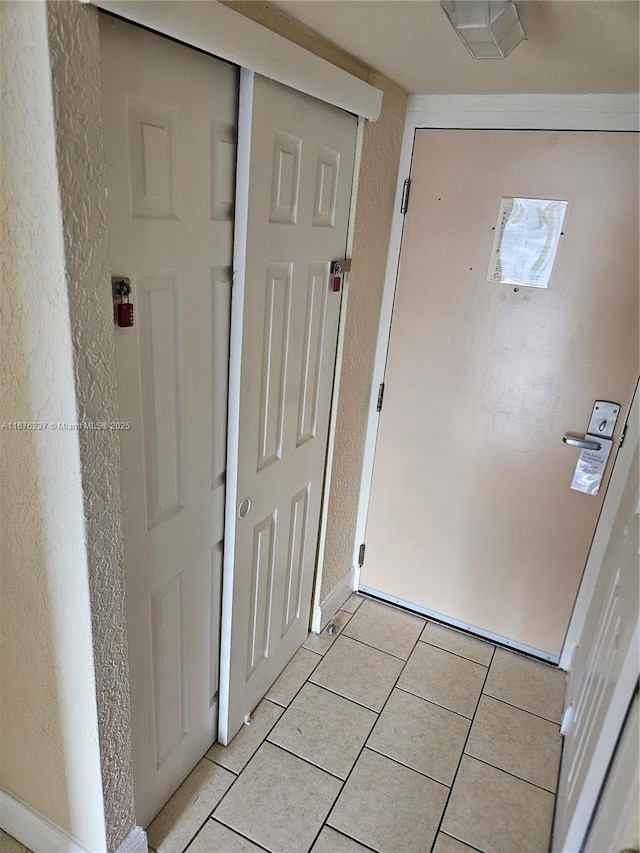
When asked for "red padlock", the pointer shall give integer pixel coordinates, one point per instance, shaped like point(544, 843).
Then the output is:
point(123, 310)
point(124, 314)
point(337, 269)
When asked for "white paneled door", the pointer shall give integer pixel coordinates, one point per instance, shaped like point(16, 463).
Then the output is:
point(472, 515)
point(295, 165)
point(604, 671)
point(170, 130)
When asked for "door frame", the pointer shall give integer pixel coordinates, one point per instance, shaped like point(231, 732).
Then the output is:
point(481, 112)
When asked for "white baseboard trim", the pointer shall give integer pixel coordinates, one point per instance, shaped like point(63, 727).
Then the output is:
point(41, 835)
point(135, 842)
point(337, 597)
point(34, 830)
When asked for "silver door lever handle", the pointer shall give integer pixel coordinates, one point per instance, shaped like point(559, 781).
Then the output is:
point(582, 443)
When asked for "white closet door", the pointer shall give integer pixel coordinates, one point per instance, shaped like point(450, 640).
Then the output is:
point(170, 128)
point(295, 174)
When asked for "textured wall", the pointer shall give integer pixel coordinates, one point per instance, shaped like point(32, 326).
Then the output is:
point(75, 57)
point(372, 226)
point(380, 157)
point(48, 716)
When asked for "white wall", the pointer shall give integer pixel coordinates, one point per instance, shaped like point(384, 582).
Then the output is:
point(48, 716)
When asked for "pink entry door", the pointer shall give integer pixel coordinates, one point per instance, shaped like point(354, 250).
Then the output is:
point(472, 516)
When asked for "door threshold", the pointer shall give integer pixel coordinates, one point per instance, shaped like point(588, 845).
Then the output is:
point(462, 626)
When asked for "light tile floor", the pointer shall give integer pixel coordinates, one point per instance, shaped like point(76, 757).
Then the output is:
point(393, 734)
point(10, 845)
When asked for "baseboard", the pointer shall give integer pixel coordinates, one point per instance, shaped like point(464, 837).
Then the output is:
point(337, 597)
point(33, 830)
point(135, 842)
point(39, 834)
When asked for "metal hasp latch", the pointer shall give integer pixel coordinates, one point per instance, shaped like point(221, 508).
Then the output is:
point(337, 271)
point(595, 446)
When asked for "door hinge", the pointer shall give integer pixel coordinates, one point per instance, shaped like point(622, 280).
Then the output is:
point(361, 555)
point(380, 397)
point(404, 204)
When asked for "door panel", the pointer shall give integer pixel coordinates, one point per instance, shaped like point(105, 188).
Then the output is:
point(294, 217)
point(170, 118)
point(604, 671)
point(616, 824)
point(471, 514)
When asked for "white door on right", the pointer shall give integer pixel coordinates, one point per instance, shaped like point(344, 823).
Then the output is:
point(472, 517)
point(605, 666)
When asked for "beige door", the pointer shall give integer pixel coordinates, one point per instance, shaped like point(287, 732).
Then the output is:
point(170, 118)
point(472, 516)
point(293, 208)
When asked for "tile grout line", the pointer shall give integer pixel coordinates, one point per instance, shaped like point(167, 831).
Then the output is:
point(378, 713)
point(375, 648)
point(406, 766)
point(520, 708)
point(466, 843)
point(290, 702)
point(437, 704)
point(364, 746)
point(343, 782)
point(347, 698)
point(208, 817)
point(212, 819)
point(508, 773)
point(464, 657)
point(306, 760)
point(200, 827)
point(555, 797)
point(239, 774)
point(241, 834)
point(462, 754)
point(262, 742)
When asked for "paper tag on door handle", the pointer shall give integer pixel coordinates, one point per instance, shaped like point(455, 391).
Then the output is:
point(590, 468)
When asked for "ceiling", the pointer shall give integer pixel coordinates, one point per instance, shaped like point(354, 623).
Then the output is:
point(573, 46)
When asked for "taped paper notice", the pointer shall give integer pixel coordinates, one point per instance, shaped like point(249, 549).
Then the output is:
point(590, 467)
point(526, 241)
